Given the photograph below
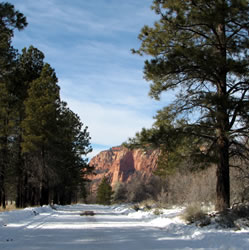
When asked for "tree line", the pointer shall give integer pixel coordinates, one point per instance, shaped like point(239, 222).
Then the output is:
point(42, 141)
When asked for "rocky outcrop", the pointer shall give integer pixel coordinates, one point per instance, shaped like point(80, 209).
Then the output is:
point(120, 164)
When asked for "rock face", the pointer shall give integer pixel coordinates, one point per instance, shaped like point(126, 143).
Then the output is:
point(120, 164)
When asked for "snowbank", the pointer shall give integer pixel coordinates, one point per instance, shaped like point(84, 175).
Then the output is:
point(22, 214)
point(124, 209)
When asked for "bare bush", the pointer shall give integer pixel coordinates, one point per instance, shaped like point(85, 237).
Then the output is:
point(194, 213)
point(120, 193)
point(239, 184)
point(186, 187)
point(136, 190)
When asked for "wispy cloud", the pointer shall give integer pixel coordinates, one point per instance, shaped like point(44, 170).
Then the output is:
point(88, 43)
point(109, 124)
point(98, 17)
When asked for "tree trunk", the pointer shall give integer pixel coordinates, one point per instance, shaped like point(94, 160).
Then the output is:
point(19, 190)
point(20, 186)
point(55, 197)
point(223, 176)
point(20, 170)
point(3, 167)
point(222, 173)
point(2, 189)
point(44, 181)
point(44, 194)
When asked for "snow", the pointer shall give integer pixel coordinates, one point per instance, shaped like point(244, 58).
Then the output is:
point(111, 228)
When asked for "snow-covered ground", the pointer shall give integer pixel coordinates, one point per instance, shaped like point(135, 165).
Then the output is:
point(111, 228)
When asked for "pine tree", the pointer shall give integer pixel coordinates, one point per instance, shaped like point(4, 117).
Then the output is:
point(6, 129)
point(29, 66)
point(200, 49)
point(71, 144)
point(39, 125)
point(104, 192)
point(174, 146)
point(10, 19)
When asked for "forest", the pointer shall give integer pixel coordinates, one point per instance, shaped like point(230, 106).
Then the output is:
point(43, 144)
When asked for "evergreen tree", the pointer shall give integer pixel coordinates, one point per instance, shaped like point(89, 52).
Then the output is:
point(6, 129)
point(200, 49)
point(104, 192)
point(71, 144)
point(39, 125)
point(10, 19)
point(29, 66)
point(174, 146)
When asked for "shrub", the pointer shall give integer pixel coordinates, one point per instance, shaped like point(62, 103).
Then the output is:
point(157, 211)
point(234, 217)
point(135, 207)
point(241, 211)
point(120, 193)
point(194, 213)
point(225, 220)
point(136, 189)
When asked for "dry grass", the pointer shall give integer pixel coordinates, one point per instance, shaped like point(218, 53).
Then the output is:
point(193, 213)
point(157, 212)
point(147, 204)
point(8, 208)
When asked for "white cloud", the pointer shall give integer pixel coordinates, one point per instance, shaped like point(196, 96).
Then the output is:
point(109, 125)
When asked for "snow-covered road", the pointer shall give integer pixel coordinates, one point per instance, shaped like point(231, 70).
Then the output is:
point(111, 228)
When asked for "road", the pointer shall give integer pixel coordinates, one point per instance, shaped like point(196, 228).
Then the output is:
point(66, 229)
point(109, 229)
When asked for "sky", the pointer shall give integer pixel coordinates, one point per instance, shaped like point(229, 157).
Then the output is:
point(89, 43)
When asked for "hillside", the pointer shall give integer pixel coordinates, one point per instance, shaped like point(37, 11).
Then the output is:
point(120, 164)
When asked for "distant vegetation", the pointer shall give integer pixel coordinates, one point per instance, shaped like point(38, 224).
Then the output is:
point(104, 192)
point(181, 187)
point(42, 141)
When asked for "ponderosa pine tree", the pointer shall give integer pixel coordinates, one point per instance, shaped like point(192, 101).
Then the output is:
point(174, 147)
point(39, 125)
point(6, 129)
point(104, 192)
point(10, 19)
point(71, 144)
point(29, 66)
point(200, 49)
point(54, 144)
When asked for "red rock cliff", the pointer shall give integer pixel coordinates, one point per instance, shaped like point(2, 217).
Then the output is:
point(119, 164)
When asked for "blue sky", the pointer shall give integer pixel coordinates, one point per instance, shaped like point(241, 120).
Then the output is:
point(88, 44)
